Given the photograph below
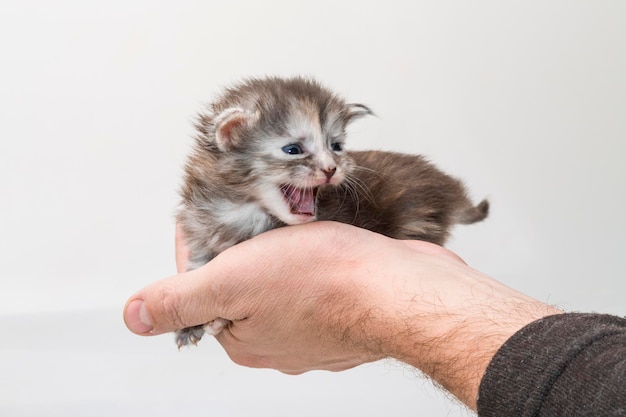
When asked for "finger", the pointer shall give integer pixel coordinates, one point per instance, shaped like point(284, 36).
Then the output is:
point(182, 251)
point(336, 366)
point(198, 296)
point(171, 304)
point(288, 361)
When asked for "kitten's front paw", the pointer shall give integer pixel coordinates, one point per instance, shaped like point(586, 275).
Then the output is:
point(192, 335)
point(189, 336)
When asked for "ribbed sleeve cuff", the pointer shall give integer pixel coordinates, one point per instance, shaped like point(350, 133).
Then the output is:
point(563, 365)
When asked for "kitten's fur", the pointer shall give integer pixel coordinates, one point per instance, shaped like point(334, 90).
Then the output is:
point(269, 152)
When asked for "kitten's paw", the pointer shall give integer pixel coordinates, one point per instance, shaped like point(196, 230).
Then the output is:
point(189, 336)
point(192, 335)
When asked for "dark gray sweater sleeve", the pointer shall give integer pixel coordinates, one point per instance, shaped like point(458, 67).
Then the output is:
point(564, 365)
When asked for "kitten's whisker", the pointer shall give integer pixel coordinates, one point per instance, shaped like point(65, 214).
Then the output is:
point(348, 192)
point(356, 185)
point(372, 171)
point(354, 194)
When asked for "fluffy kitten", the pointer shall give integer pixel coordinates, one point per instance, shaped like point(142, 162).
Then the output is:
point(270, 152)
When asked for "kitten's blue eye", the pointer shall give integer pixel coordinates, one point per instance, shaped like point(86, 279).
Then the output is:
point(336, 147)
point(293, 149)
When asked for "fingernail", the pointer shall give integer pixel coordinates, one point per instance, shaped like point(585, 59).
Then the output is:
point(137, 318)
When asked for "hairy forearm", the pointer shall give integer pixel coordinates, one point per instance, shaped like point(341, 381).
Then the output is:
point(457, 359)
point(453, 334)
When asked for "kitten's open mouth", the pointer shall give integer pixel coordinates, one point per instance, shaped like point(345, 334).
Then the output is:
point(300, 200)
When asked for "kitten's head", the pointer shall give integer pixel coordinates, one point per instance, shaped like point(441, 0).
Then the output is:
point(278, 140)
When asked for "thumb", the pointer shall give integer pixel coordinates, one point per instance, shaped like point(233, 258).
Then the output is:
point(173, 303)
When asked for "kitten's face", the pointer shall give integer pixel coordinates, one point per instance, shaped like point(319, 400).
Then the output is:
point(281, 141)
point(293, 164)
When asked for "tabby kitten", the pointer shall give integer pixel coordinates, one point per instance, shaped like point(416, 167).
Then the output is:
point(270, 152)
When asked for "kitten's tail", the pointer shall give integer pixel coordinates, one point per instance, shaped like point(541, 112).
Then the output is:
point(474, 214)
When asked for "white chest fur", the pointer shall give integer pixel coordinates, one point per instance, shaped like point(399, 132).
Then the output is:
point(247, 217)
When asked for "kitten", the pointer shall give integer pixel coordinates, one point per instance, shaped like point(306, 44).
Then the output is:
point(270, 152)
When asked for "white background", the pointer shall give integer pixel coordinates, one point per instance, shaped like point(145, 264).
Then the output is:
point(524, 100)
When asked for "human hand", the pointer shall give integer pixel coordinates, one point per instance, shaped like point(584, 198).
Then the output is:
point(331, 296)
point(288, 284)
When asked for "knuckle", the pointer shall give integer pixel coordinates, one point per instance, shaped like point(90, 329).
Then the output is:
point(170, 305)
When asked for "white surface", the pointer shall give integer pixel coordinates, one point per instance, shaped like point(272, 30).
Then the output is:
point(524, 100)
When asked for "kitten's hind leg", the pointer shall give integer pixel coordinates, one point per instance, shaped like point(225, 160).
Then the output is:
point(192, 335)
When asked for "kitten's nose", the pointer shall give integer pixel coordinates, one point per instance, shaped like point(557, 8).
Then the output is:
point(329, 172)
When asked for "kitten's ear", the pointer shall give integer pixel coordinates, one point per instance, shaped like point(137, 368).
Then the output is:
point(353, 111)
point(229, 126)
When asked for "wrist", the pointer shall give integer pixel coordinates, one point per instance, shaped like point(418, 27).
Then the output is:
point(452, 332)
